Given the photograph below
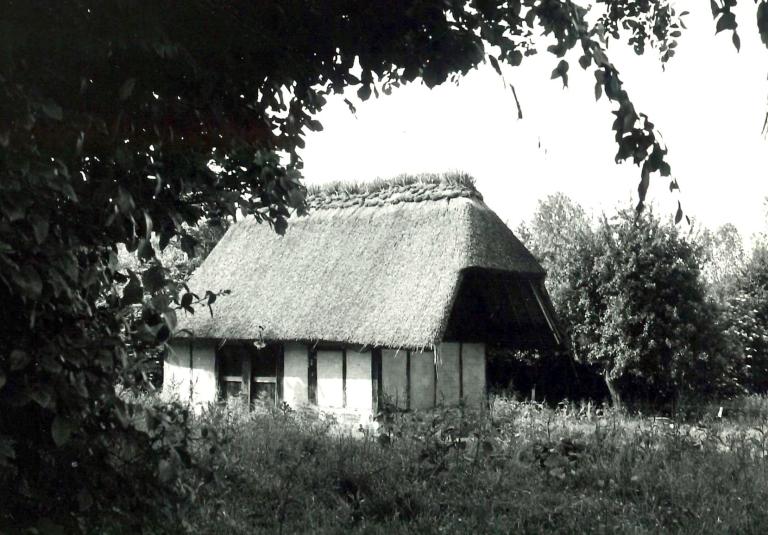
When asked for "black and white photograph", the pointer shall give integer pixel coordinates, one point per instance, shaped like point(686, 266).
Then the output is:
point(383, 267)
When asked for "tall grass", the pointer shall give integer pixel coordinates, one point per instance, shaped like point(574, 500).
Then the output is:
point(519, 467)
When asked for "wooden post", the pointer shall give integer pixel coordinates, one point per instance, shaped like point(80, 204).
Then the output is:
point(246, 359)
point(461, 372)
point(434, 378)
point(408, 380)
point(375, 378)
point(344, 377)
point(279, 373)
point(312, 375)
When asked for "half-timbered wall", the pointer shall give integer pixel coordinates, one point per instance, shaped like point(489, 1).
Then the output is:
point(394, 377)
point(345, 379)
point(359, 387)
point(295, 375)
point(422, 380)
point(448, 374)
point(192, 372)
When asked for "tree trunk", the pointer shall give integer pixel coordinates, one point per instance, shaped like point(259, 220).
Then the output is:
point(615, 397)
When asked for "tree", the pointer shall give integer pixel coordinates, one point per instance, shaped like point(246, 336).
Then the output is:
point(745, 321)
point(125, 120)
point(723, 262)
point(554, 235)
point(645, 321)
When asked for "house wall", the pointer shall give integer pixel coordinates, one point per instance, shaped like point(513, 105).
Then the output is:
point(448, 374)
point(177, 375)
point(473, 360)
point(412, 380)
point(295, 375)
point(394, 384)
point(422, 380)
point(359, 386)
point(330, 385)
point(460, 376)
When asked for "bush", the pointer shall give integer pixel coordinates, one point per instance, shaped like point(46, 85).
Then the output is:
point(520, 467)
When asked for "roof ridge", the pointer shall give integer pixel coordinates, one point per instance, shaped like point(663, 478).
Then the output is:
point(391, 195)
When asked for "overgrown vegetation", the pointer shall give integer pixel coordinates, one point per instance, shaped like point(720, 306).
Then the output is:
point(662, 314)
point(521, 468)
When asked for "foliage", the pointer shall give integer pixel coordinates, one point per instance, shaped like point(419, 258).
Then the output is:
point(126, 120)
point(556, 231)
point(629, 293)
point(723, 261)
point(521, 467)
point(745, 321)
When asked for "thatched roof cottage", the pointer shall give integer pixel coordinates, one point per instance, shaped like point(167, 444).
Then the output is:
point(388, 291)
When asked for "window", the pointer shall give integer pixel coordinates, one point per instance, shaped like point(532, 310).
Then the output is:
point(230, 374)
point(264, 376)
point(250, 373)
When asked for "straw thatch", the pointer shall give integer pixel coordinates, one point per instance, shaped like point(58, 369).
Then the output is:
point(377, 266)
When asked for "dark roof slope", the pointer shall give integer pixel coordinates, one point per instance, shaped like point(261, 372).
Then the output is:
point(378, 267)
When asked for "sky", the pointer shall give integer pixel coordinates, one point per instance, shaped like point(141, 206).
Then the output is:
point(708, 104)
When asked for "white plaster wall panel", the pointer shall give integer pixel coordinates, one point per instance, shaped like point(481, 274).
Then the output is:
point(204, 382)
point(393, 377)
point(176, 371)
point(359, 388)
point(473, 358)
point(422, 380)
point(330, 386)
point(295, 375)
point(448, 376)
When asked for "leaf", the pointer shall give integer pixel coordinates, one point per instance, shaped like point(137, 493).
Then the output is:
point(186, 300)
point(188, 244)
point(495, 64)
point(61, 430)
point(133, 292)
point(736, 41)
point(281, 225)
point(6, 449)
point(350, 106)
point(679, 213)
point(147, 225)
point(39, 227)
point(561, 71)
point(645, 178)
point(41, 395)
point(163, 334)
point(727, 21)
point(165, 471)
point(18, 359)
point(154, 278)
point(585, 61)
point(165, 239)
point(84, 500)
point(211, 297)
point(127, 89)
point(29, 282)
point(52, 110)
point(364, 92)
point(145, 250)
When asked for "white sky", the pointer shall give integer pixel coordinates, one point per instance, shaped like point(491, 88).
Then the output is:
point(709, 106)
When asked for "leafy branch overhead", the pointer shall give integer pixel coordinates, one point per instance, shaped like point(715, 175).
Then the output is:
point(133, 122)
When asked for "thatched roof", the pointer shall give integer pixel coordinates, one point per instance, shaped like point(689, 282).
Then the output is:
point(374, 265)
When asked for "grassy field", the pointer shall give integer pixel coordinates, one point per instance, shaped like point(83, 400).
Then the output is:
point(518, 468)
